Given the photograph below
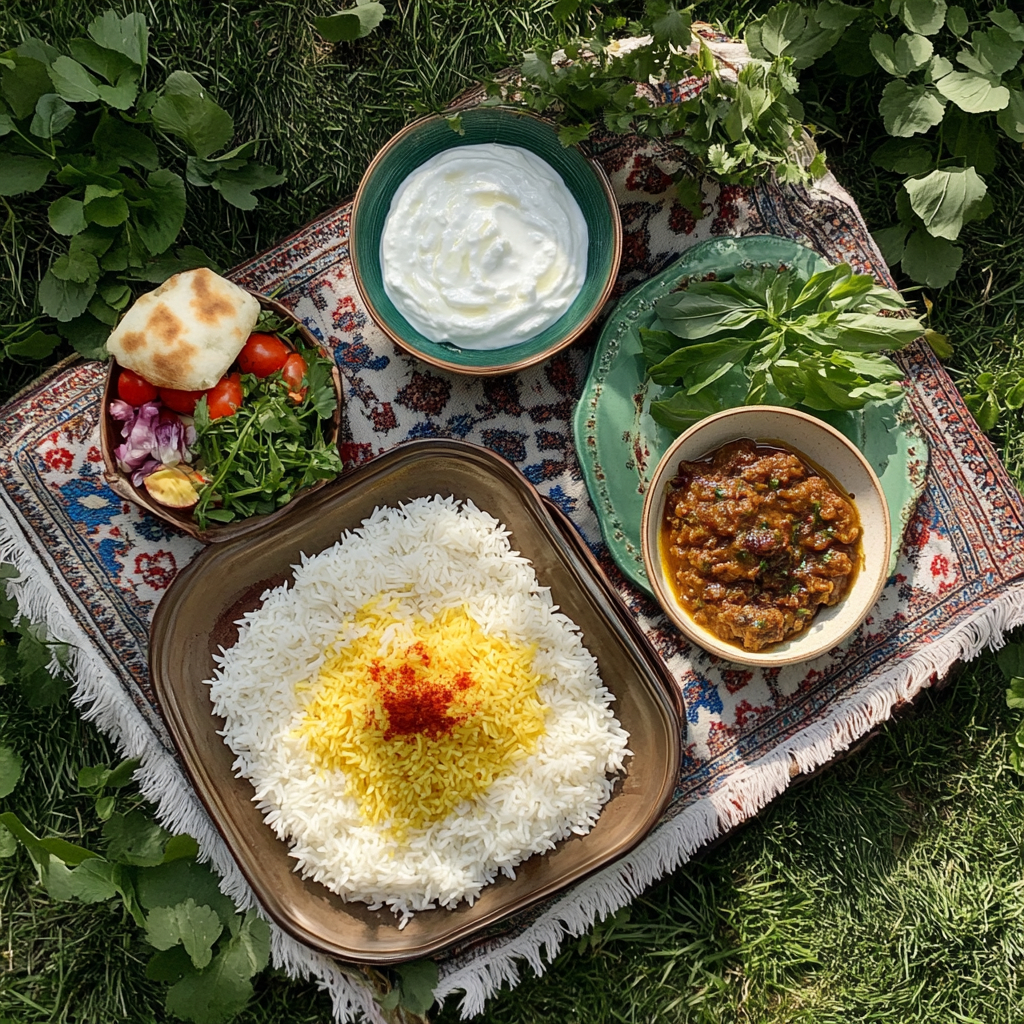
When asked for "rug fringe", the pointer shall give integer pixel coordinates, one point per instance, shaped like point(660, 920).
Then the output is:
point(745, 793)
point(101, 699)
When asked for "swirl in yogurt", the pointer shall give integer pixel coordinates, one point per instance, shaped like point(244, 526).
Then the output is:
point(484, 247)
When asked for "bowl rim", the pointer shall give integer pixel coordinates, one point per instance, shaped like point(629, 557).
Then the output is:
point(519, 364)
point(652, 558)
point(121, 484)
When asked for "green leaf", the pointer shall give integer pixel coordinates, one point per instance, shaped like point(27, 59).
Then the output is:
point(564, 9)
point(1010, 660)
point(76, 266)
point(185, 110)
point(1011, 119)
point(931, 261)
point(38, 345)
point(681, 410)
point(123, 774)
point(93, 881)
point(86, 334)
point(160, 223)
point(787, 31)
point(909, 109)
point(912, 52)
point(350, 25)
point(1015, 694)
point(128, 35)
point(66, 216)
point(52, 116)
point(105, 806)
point(944, 198)
point(64, 300)
point(20, 174)
point(573, 134)
point(134, 839)
point(974, 93)
point(42, 51)
point(994, 51)
point(984, 408)
point(108, 63)
point(701, 310)
point(102, 310)
point(884, 51)
point(670, 24)
point(24, 84)
point(939, 344)
point(107, 211)
point(37, 852)
point(237, 186)
point(93, 776)
point(72, 81)
point(970, 140)
point(118, 141)
point(122, 95)
point(180, 847)
point(222, 989)
point(170, 965)
point(892, 242)
point(8, 844)
point(831, 14)
point(188, 257)
point(956, 21)
point(10, 770)
point(904, 156)
point(1009, 23)
point(923, 16)
point(196, 927)
point(67, 852)
point(417, 981)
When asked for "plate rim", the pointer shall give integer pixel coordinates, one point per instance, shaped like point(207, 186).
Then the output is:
point(658, 685)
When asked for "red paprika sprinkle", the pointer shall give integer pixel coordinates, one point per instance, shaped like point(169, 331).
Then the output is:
point(414, 704)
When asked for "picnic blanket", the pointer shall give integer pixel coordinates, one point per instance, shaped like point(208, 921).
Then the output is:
point(94, 567)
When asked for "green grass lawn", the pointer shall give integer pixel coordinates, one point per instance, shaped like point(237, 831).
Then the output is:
point(888, 889)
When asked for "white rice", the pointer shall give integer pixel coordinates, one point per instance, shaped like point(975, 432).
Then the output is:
point(432, 554)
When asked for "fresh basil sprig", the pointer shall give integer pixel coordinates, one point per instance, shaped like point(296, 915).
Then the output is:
point(777, 337)
point(270, 449)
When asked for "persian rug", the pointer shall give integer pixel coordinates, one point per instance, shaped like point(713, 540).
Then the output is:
point(95, 567)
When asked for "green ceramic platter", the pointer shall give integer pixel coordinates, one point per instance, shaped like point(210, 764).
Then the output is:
point(619, 445)
point(424, 139)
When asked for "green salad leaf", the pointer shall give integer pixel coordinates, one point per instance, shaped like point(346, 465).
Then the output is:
point(779, 337)
point(270, 449)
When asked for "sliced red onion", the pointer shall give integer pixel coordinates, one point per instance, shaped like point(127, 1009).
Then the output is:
point(152, 438)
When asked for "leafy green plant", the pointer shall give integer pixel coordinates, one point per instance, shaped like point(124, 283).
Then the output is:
point(780, 337)
point(737, 128)
point(82, 129)
point(207, 951)
point(1011, 662)
point(351, 24)
point(994, 392)
point(953, 87)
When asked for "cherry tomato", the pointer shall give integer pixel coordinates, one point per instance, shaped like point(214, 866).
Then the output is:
point(293, 371)
point(225, 397)
point(262, 355)
point(180, 401)
point(135, 390)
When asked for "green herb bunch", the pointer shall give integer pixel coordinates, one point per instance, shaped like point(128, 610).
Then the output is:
point(270, 449)
point(954, 87)
point(83, 130)
point(738, 127)
point(776, 337)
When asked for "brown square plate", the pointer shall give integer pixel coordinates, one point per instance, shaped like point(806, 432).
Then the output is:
point(197, 615)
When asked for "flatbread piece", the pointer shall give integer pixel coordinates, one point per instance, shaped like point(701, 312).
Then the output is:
point(186, 333)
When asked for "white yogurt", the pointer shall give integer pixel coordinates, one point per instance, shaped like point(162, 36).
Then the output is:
point(484, 247)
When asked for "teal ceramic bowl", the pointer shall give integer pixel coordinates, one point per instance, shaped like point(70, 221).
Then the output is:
point(423, 139)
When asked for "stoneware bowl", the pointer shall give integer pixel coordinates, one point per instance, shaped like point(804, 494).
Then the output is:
point(423, 139)
point(821, 445)
point(121, 482)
